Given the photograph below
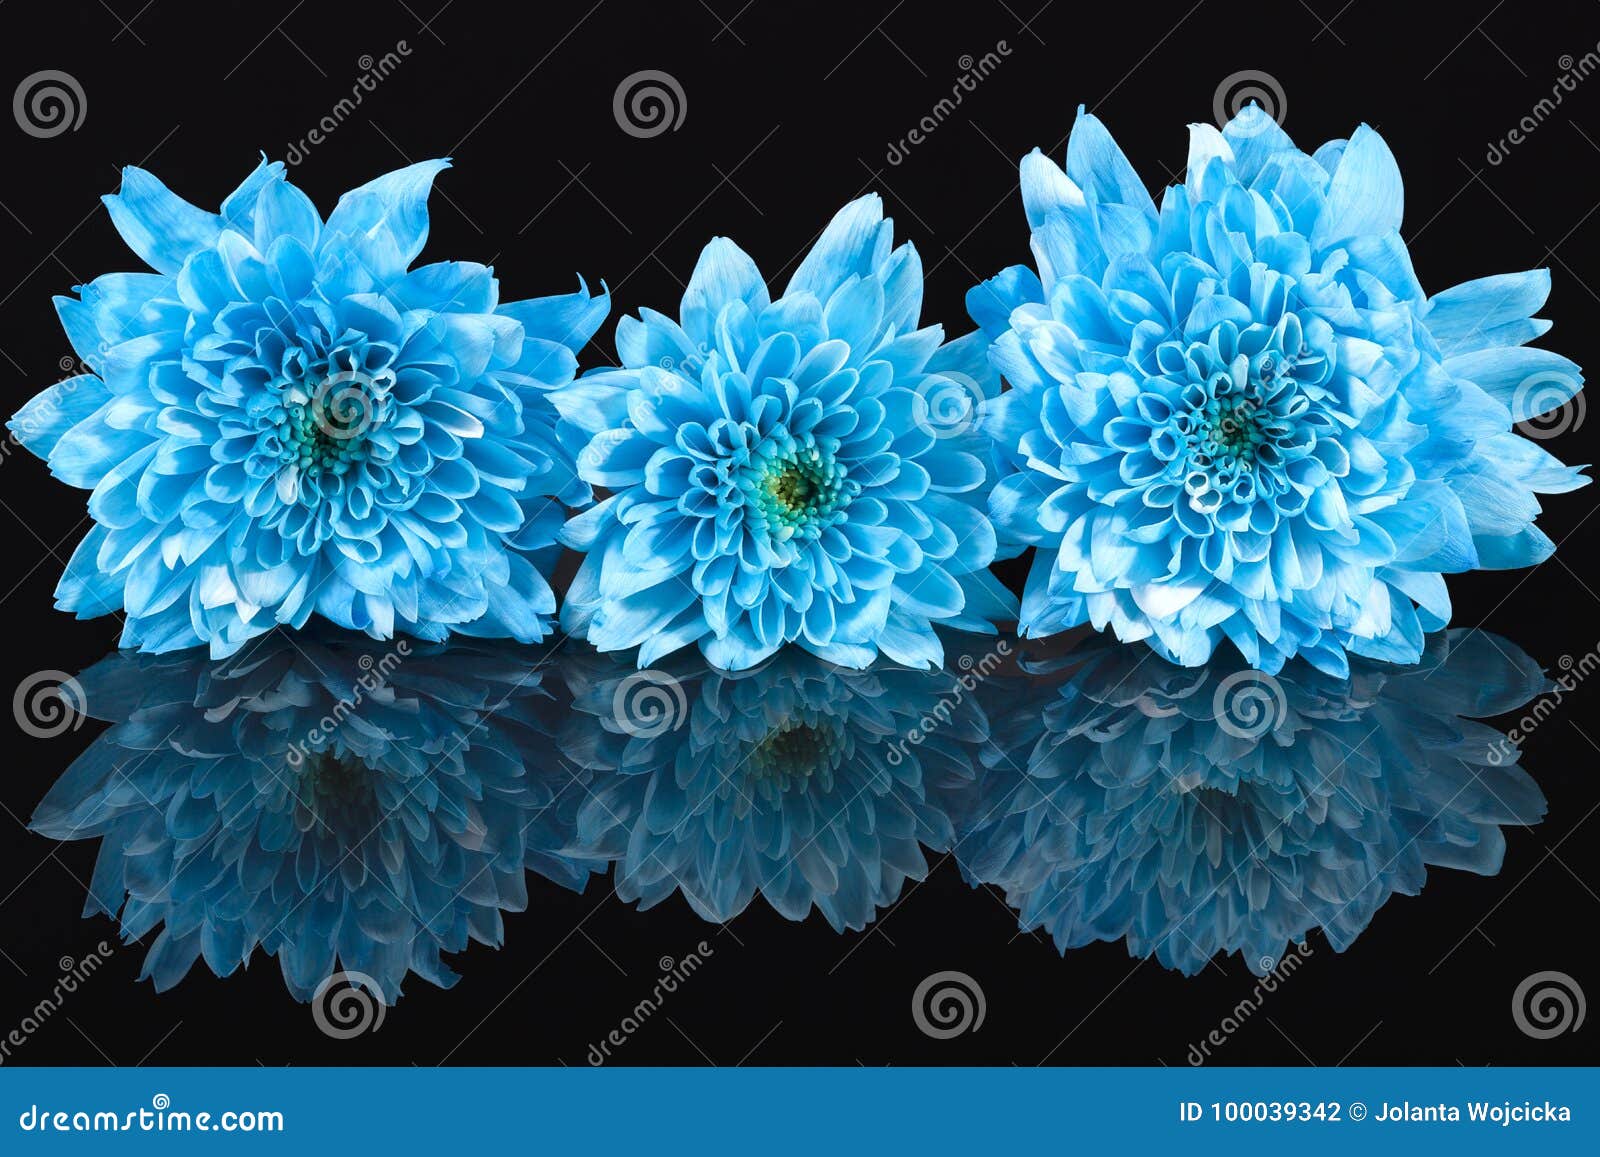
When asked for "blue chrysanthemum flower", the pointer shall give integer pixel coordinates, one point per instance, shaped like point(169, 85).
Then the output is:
point(339, 806)
point(1192, 812)
point(285, 420)
point(806, 470)
point(1239, 416)
point(809, 784)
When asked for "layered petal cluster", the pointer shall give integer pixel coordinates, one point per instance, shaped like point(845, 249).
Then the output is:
point(339, 806)
point(283, 419)
point(1197, 811)
point(803, 470)
point(806, 783)
point(1238, 416)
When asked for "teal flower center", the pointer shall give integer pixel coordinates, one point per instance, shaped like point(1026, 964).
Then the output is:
point(1232, 428)
point(335, 780)
point(327, 432)
point(796, 752)
point(796, 492)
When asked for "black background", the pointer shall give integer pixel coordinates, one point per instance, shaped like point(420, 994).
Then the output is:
point(791, 109)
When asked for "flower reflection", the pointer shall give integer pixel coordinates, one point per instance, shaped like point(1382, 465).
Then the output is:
point(805, 782)
point(1197, 811)
point(338, 802)
point(354, 806)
